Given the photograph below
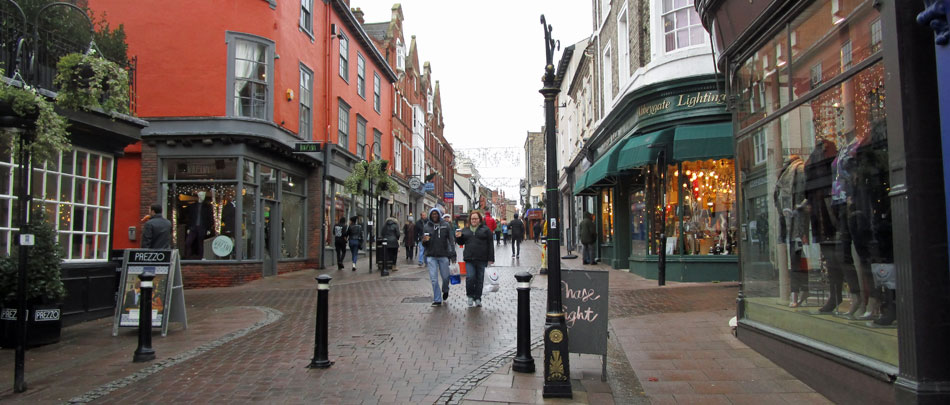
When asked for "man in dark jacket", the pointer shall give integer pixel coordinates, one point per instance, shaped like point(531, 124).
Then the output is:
point(588, 235)
point(354, 234)
point(157, 232)
point(479, 253)
point(409, 240)
point(438, 238)
point(391, 236)
point(517, 235)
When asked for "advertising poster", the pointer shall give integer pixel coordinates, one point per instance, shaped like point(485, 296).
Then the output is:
point(130, 300)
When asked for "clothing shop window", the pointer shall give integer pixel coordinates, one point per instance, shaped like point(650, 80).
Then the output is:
point(343, 126)
point(360, 75)
point(360, 136)
point(344, 57)
point(681, 25)
point(816, 215)
point(607, 216)
point(306, 102)
point(249, 76)
point(75, 190)
point(292, 216)
point(201, 205)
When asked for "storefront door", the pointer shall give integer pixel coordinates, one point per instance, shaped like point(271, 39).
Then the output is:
point(271, 234)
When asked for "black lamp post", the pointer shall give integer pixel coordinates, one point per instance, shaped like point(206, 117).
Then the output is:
point(557, 372)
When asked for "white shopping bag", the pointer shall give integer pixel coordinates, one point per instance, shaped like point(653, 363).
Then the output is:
point(493, 280)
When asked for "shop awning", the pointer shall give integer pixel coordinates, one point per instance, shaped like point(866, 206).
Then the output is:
point(701, 142)
point(639, 151)
point(602, 171)
point(580, 184)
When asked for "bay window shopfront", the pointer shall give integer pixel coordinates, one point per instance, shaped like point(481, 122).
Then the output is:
point(839, 183)
point(235, 209)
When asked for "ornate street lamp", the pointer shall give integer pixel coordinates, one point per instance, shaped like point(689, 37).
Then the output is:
point(557, 372)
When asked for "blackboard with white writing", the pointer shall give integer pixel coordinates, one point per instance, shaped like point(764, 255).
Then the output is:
point(584, 297)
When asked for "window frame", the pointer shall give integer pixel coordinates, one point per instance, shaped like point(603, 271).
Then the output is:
point(623, 46)
point(361, 136)
point(344, 68)
point(306, 17)
point(377, 144)
point(360, 75)
point(690, 7)
point(377, 93)
point(343, 131)
point(305, 131)
point(232, 38)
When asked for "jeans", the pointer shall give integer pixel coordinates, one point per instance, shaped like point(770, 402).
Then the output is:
point(474, 279)
point(355, 248)
point(589, 253)
point(340, 252)
point(516, 242)
point(422, 256)
point(438, 266)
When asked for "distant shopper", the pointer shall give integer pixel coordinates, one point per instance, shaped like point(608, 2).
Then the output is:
point(517, 235)
point(479, 252)
point(340, 241)
point(504, 232)
point(409, 238)
point(354, 235)
point(438, 237)
point(420, 225)
point(157, 232)
point(391, 236)
point(537, 231)
point(588, 235)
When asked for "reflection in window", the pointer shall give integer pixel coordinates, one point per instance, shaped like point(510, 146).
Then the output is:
point(292, 226)
point(681, 25)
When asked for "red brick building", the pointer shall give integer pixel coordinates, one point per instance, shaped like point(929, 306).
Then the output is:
point(229, 88)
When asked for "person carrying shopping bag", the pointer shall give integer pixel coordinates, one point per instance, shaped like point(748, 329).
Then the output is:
point(478, 253)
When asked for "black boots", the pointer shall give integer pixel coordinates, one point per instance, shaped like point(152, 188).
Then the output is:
point(888, 308)
point(833, 300)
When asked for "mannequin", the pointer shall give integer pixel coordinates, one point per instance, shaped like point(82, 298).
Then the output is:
point(200, 226)
point(789, 197)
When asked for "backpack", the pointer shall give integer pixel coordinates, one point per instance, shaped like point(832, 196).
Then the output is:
point(338, 231)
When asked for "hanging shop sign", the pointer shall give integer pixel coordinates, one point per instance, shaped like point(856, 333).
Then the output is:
point(448, 196)
point(168, 296)
point(429, 186)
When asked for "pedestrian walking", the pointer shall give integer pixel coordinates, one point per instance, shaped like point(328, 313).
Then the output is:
point(505, 232)
point(517, 235)
point(354, 234)
point(157, 232)
point(409, 239)
point(340, 241)
point(537, 231)
point(588, 237)
point(391, 236)
point(420, 225)
point(478, 253)
point(438, 238)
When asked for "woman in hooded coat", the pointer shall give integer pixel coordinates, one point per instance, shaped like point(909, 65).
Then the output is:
point(391, 236)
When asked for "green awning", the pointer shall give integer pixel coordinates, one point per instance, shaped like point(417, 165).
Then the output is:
point(605, 166)
point(639, 151)
point(581, 184)
point(701, 142)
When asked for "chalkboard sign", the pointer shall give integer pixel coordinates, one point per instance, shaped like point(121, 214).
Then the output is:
point(584, 296)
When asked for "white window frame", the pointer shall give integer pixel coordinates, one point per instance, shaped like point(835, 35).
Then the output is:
point(233, 39)
point(400, 55)
point(95, 205)
point(305, 130)
point(361, 75)
point(343, 125)
point(306, 17)
point(691, 13)
point(759, 148)
point(397, 155)
point(344, 57)
point(361, 136)
point(623, 46)
point(606, 64)
point(377, 93)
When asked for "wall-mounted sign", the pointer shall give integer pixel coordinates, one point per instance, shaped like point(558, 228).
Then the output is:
point(303, 147)
point(429, 186)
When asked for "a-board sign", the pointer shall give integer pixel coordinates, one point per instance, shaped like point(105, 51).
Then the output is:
point(584, 298)
point(168, 296)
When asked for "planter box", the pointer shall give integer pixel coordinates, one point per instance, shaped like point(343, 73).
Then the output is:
point(43, 326)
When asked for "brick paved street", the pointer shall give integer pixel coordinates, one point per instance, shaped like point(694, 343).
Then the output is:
point(252, 343)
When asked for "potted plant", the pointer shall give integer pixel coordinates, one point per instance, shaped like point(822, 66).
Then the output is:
point(87, 82)
point(23, 108)
point(45, 289)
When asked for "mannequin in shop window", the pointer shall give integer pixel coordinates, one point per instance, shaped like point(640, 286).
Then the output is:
point(790, 202)
point(200, 226)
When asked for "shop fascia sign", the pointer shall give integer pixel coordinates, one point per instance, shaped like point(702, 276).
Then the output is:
point(662, 106)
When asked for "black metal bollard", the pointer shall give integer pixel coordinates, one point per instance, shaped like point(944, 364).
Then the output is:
point(320, 359)
point(144, 350)
point(524, 363)
point(384, 268)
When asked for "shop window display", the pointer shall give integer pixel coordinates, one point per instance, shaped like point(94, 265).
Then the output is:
point(818, 258)
point(201, 200)
point(638, 222)
point(607, 216)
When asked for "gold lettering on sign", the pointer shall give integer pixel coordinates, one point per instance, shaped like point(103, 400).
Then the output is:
point(557, 367)
point(691, 100)
point(651, 109)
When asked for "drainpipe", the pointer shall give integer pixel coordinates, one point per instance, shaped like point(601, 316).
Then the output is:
point(326, 144)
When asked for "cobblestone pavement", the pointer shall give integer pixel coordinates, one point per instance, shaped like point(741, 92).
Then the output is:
point(252, 343)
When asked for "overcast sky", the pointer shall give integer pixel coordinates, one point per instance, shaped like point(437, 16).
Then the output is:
point(488, 57)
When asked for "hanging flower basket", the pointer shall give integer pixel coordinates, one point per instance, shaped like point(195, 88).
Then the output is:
point(87, 81)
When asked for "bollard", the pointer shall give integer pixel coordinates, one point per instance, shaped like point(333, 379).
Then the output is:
point(320, 336)
point(144, 350)
point(384, 269)
point(524, 363)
